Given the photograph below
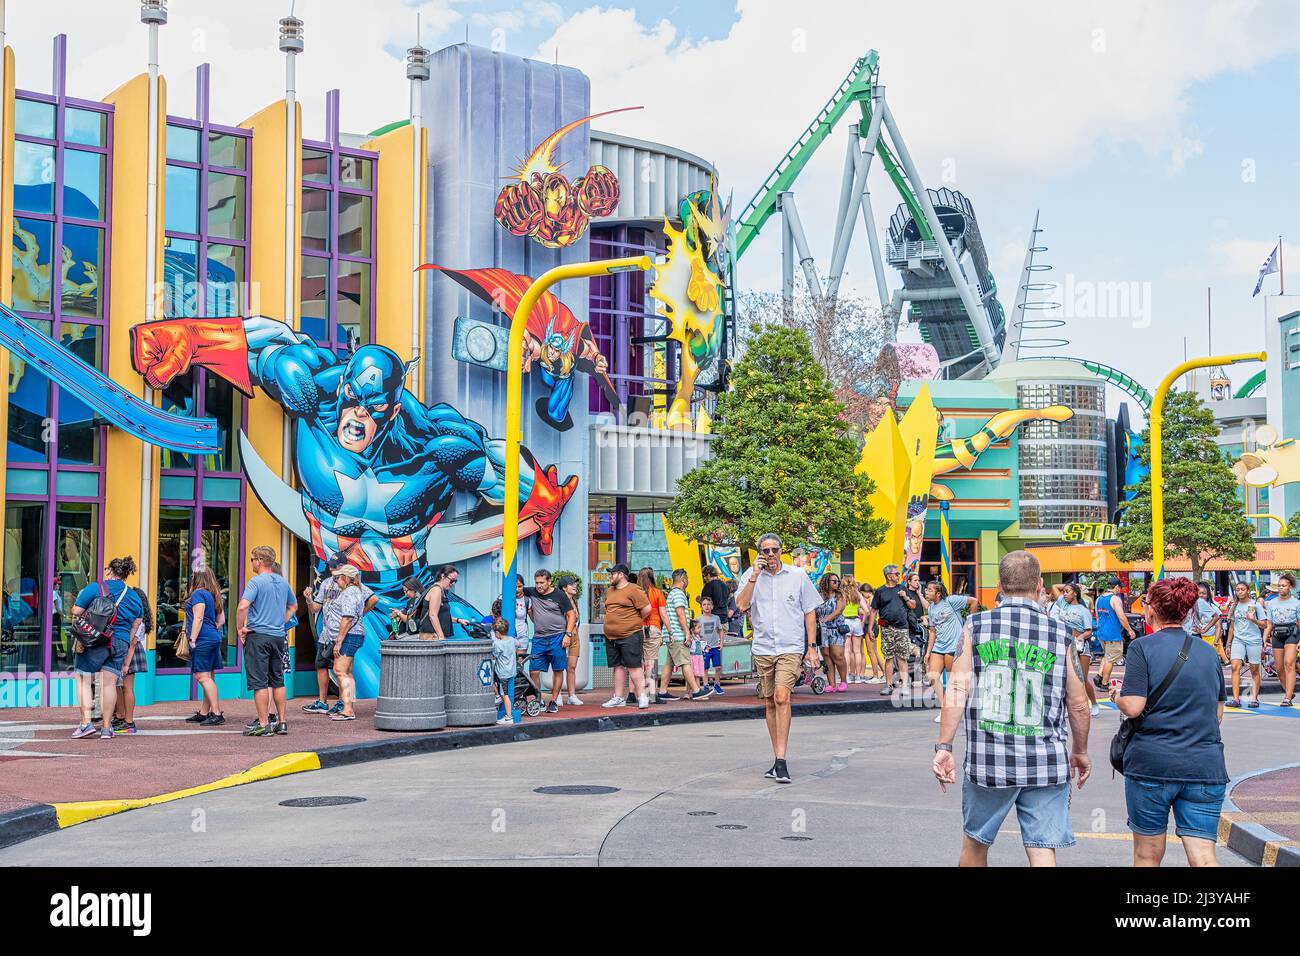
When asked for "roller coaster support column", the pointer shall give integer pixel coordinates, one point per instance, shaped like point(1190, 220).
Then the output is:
point(514, 401)
point(974, 307)
point(787, 253)
point(794, 226)
point(860, 156)
point(1157, 449)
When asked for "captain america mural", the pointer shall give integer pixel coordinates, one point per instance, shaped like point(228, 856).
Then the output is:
point(378, 469)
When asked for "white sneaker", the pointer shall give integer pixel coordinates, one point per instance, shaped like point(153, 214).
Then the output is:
point(616, 702)
point(507, 721)
point(938, 718)
point(642, 702)
point(559, 701)
point(575, 700)
point(1096, 711)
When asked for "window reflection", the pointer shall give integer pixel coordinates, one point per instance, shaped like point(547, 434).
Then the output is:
point(75, 530)
point(23, 596)
point(83, 253)
point(33, 239)
point(34, 173)
point(83, 184)
point(78, 430)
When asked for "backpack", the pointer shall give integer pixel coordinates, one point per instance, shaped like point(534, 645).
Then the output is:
point(94, 626)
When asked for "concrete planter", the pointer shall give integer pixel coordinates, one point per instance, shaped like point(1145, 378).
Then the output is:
point(471, 702)
point(411, 685)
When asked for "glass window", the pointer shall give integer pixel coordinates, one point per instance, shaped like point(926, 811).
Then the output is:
point(83, 126)
point(34, 119)
point(83, 254)
point(83, 184)
point(352, 304)
point(76, 529)
point(182, 212)
point(178, 398)
point(355, 171)
point(223, 402)
point(33, 239)
point(221, 550)
point(354, 225)
point(173, 581)
point(24, 586)
point(315, 306)
point(225, 278)
point(225, 206)
point(315, 165)
point(316, 220)
point(182, 143)
point(29, 426)
point(78, 430)
point(180, 279)
point(34, 172)
point(225, 150)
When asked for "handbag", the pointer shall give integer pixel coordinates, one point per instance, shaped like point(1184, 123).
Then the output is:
point(182, 646)
point(1128, 727)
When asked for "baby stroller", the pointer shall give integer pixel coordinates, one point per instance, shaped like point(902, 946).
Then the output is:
point(528, 696)
point(811, 677)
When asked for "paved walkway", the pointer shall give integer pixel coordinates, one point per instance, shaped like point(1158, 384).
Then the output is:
point(1272, 800)
point(40, 763)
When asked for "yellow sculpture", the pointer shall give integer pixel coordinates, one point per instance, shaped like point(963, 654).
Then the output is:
point(1275, 460)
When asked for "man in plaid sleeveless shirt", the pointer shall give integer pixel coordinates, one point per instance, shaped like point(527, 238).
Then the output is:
point(1016, 680)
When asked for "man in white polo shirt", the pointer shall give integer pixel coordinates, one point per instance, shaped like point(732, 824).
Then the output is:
point(782, 605)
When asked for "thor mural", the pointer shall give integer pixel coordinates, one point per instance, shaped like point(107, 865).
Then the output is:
point(378, 468)
point(555, 342)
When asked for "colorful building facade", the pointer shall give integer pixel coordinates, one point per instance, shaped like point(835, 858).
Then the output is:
point(323, 231)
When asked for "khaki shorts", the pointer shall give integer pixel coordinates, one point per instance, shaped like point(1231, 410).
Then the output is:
point(679, 655)
point(777, 670)
point(574, 650)
point(894, 642)
point(1112, 651)
point(653, 640)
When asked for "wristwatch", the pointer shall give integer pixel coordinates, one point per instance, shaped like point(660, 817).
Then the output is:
point(939, 747)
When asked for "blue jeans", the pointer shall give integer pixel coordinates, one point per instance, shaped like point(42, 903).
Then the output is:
point(1042, 812)
point(1196, 807)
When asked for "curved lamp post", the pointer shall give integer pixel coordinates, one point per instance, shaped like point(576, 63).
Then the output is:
point(514, 401)
point(1157, 450)
point(1281, 525)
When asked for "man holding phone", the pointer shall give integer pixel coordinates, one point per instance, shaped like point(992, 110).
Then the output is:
point(782, 605)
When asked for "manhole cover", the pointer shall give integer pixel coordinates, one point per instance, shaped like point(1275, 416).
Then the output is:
point(797, 839)
point(732, 826)
point(321, 801)
point(701, 813)
point(576, 790)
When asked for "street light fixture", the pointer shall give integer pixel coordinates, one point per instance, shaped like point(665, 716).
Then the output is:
point(514, 401)
point(1157, 450)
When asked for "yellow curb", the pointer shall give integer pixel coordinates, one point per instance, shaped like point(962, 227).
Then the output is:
point(70, 814)
point(1271, 848)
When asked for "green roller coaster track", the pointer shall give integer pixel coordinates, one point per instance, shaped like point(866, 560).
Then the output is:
point(1125, 383)
point(1252, 385)
point(856, 88)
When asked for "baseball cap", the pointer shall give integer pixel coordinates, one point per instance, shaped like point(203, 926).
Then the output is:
point(347, 571)
point(622, 569)
point(336, 561)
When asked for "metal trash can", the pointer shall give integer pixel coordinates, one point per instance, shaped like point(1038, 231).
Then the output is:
point(471, 702)
point(411, 682)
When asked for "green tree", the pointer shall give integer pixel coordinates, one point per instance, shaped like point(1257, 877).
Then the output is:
point(782, 459)
point(1293, 525)
point(1204, 518)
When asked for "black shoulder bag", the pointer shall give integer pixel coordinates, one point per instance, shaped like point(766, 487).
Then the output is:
point(1128, 727)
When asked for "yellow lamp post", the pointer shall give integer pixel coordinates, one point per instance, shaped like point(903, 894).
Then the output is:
point(1157, 451)
point(515, 396)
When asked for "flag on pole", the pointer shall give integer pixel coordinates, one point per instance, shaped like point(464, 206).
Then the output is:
point(1270, 266)
point(945, 547)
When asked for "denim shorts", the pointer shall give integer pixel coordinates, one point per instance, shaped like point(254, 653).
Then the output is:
point(713, 657)
point(1196, 807)
point(1250, 653)
point(107, 657)
point(1042, 812)
point(205, 656)
point(351, 644)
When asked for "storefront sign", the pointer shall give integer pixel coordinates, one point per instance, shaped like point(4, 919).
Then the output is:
point(1089, 531)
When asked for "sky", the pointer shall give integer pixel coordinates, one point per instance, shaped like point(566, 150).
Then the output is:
point(1156, 139)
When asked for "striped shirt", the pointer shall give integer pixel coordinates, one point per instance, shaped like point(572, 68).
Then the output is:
point(1015, 715)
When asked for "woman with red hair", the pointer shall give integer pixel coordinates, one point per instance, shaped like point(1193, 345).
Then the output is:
point(1174, 761)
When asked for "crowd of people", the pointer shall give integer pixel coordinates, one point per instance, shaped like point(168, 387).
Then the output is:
point(1017, 678)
